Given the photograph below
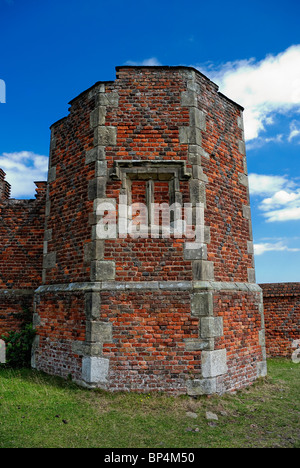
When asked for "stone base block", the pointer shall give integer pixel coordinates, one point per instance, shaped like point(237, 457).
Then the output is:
point(214, 363)
point(95, 370)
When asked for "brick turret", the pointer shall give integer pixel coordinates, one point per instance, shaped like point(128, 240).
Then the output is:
point(160, 312)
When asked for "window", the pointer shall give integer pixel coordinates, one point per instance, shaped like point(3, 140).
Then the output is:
point(151, 183)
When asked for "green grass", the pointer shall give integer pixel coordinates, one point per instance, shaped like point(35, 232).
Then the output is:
point(38, 411)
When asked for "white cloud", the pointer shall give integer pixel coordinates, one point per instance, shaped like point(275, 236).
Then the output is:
point(294, 130)
point(261, 184)
point(150, 62)
point(284, 214)
point(280, 196)
point(264, 87)
point(22, 169)
point(263, 247)
point(259, 141)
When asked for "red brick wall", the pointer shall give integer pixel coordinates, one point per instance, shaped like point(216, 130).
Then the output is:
point(62, 322)
point(147, 118)
point(225, 195)
point(70, 207)
point(282, 317)
point(149, 114)
point(21, 257)
point(21, 242)
point(242, 324)
point(148, 352)
point(148, 259)
point(15, 310)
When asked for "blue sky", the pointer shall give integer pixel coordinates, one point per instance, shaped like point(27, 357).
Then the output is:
point(52, 50)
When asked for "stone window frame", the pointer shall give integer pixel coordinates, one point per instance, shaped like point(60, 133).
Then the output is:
point(150, 171)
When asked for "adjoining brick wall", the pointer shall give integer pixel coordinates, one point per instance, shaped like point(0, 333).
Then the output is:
point(16, 309)
point(60, 324)
point(156, 313)
point(282, 317)
point(21, 257)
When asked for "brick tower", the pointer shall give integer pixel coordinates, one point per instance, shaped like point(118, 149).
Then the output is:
point(163, 312)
